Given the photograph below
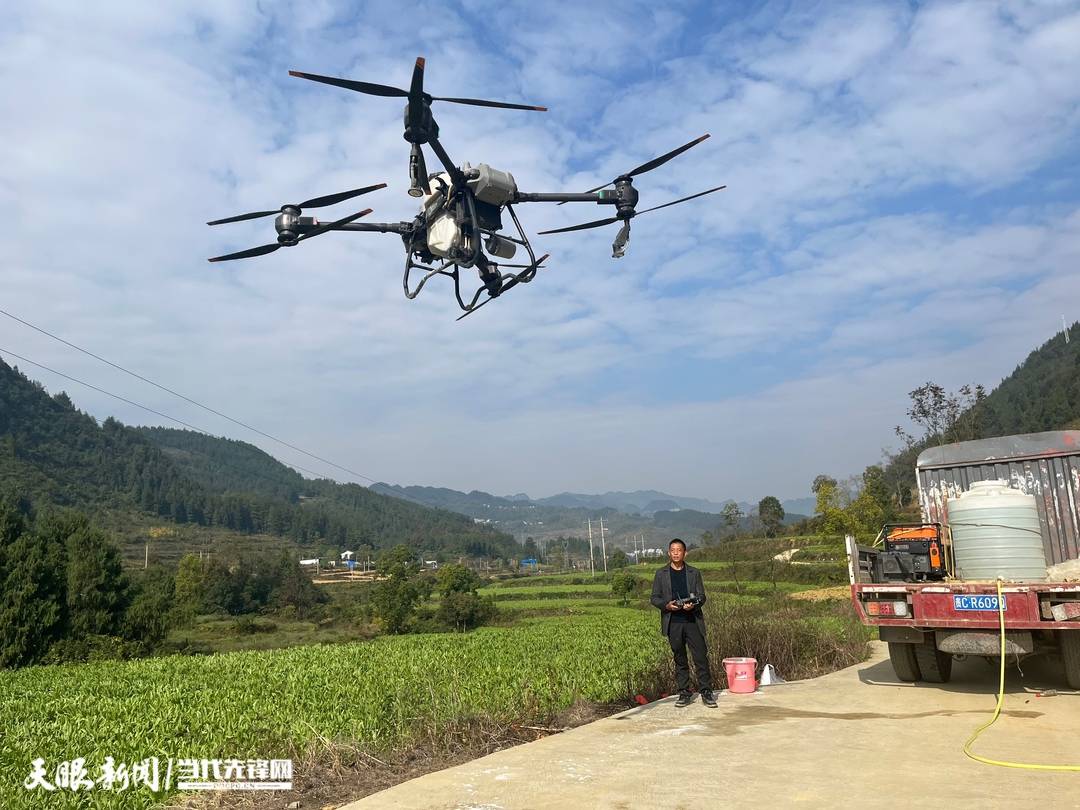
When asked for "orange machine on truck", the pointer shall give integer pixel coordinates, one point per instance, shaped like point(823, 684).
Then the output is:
point(997, 513)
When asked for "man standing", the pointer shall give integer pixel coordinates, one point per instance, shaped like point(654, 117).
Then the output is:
point(683, 625)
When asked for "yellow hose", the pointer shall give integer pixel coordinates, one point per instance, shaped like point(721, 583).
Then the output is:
point(997, 712)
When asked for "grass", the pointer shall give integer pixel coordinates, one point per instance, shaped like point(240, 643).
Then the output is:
point(231, 634)
point(560, 638)
point(526, 591)
point(382, 696)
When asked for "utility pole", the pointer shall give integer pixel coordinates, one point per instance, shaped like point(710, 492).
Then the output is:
point(592, 566)
point(603, 545)
point(146, 560)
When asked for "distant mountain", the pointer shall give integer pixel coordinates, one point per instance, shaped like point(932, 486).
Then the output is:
point(52, 453)
point(644, 502)
point(799, 506)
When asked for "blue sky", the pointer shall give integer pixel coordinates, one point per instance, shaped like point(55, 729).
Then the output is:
point(902, 205)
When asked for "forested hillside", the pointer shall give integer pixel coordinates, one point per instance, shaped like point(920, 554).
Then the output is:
point(52, 453)
point(1043, 393)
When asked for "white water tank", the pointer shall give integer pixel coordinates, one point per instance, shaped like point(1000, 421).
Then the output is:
point(996, 532)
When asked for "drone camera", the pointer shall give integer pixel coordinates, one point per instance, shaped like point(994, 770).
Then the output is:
point(502, 248)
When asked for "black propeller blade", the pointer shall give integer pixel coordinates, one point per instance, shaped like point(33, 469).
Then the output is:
point(349, 84)
point(503, 105)
point(314, 202)
point(618, 247)
point(599, 223)
point(415, 91)
point(655, 162)
point(511, 283)
point(246, 254)
point(660, 161)
point(681, 199)
point(264, 249)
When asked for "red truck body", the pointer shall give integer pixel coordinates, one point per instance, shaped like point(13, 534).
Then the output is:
point(926, 622)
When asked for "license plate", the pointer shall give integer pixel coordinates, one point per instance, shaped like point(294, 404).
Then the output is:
point(976, 602)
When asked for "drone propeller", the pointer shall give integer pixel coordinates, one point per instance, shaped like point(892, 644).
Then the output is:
point(415, 91)
point(314, 202)
point(618, 247)
point(264, 249)
point(599, 223)
point(654, 163)
point(513, 282)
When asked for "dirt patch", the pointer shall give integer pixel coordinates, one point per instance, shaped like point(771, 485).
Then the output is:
point(838, 592)
point(332, 774)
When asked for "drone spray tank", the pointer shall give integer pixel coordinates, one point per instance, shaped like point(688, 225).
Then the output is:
point(487, 190)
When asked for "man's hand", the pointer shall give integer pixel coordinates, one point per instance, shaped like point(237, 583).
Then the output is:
point(687, 606)
point(672, 606)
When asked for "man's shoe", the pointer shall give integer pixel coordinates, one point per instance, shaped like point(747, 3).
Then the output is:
point(708, 697)
point(685, 699)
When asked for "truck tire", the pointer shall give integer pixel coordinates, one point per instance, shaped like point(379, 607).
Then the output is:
point(935, 665)
point(1069, 640)
point(903, 661)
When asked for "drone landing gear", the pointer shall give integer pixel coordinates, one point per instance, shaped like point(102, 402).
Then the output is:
point(493, 280)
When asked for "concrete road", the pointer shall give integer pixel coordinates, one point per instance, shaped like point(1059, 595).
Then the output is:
point(857, 737)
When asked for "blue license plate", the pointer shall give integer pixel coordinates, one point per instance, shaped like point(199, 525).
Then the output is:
point(969, 601)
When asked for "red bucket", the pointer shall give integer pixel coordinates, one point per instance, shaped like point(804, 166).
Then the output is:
point(740, 674)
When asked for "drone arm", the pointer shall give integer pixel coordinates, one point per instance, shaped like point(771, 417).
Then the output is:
point(400, 228)
point(306, 225)
point(600, 197)
point(455, 173)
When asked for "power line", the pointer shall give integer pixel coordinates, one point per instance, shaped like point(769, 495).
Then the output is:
point(185, 398)
point(130, 402)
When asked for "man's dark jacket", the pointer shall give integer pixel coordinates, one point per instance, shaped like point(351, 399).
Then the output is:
point(661, 595)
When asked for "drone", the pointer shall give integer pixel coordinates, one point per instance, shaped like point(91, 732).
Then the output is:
point(460, 223)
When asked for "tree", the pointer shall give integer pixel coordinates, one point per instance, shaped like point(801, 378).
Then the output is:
point(873, 507)
point(619, 559)
point(12, 523)
point(830, 505)
point(189, 589)
point(455, 578)
point(732, 514)
point(149, 615)
point(395, 598)
point(624, 584)
point(772, 515)
point(945, 417)
point(97, 588)
point(463, 611)
point(293, 588)
point(461, 607)
point(32, 599)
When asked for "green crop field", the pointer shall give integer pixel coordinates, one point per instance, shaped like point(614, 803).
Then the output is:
point(274, 704)
point(526, 591)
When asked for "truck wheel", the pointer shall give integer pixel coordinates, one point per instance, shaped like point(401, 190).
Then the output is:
point(903, 661)
point(935, 665)
point(1069, 640)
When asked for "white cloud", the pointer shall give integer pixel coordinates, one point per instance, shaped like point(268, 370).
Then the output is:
point(861, 147)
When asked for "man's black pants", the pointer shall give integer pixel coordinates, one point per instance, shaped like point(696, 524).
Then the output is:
point(681, 634)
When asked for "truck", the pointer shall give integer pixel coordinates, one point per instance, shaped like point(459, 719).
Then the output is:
point(906, 586)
